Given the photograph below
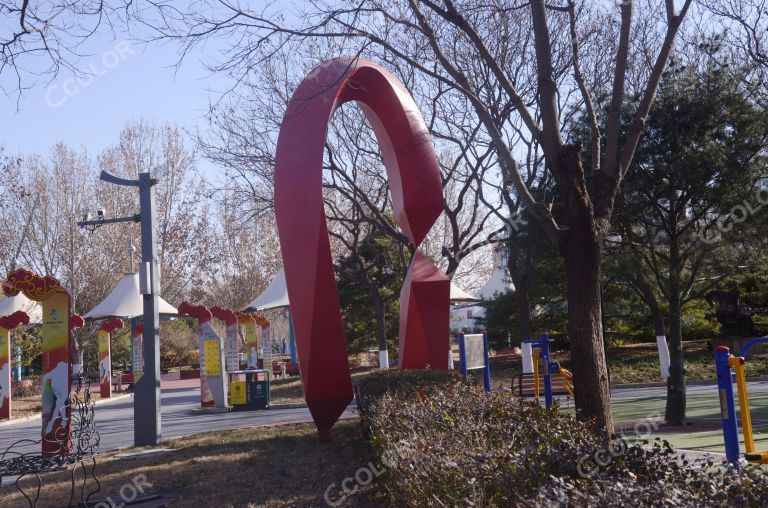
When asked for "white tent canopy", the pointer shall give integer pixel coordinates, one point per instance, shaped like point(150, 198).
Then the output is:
point(10, 304)
point(459, 295)
point(275, 296)
point(126, 301)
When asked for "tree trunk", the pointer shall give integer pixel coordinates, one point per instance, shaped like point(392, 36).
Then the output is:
point(77, 363)
point(381, 330)
point(676, 396)
point(658, 321)
point(580, 246)
point(523, 284)
point(581, 250)
point(524, 312)
point(453, 263)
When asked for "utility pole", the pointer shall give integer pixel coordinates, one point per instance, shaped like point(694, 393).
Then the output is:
point(146, 399)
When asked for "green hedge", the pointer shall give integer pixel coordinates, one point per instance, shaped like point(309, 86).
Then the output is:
point(374, 386)
point(453, 445)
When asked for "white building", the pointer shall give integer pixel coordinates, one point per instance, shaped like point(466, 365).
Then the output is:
point(464, 315)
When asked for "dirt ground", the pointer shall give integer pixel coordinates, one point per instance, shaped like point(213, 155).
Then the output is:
point(266, 466)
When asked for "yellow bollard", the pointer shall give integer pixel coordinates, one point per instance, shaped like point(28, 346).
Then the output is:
point(737, 364)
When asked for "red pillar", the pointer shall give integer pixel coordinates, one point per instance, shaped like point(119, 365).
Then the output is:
point(5, 374)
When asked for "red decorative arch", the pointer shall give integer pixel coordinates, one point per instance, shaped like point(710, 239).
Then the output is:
point(417, 199)
point(14, 320)
point(244, 317)
point(76, 321)
point(199, 312)
point(114, 324)
point(225, 315)
point(33, 286)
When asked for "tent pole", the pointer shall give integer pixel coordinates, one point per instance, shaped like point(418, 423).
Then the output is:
point(292, 340)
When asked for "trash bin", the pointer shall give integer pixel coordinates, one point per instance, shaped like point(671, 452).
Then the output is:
point(249, 389)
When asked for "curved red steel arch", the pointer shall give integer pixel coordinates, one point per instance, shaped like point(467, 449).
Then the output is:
point(417, 199)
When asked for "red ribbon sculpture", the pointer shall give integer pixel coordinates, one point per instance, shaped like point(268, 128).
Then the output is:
point(417, 199)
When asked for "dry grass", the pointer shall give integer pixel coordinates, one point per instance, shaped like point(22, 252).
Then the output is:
point(265, 466)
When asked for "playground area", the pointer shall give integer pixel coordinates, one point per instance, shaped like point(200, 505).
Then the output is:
point(705, 432)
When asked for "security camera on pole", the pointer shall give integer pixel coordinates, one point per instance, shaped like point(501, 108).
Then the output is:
point(146, 400)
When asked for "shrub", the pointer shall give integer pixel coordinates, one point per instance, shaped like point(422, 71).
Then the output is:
point(457, 446)
point(179, 344)
point(25, 388)
point(373, 386)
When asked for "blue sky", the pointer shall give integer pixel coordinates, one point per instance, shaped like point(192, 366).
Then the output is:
point(124, 81)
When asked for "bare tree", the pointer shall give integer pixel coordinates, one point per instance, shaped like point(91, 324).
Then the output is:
point(470, 49)
point(184, 227)
point(746, 24)
point(246, 256)
point(42, 38)
point(46, 196)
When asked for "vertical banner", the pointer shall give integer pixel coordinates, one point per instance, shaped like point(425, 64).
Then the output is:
point(231, 339)
point(232, 349)
point(212, 357)
point(56, 350)
point(207, 334)
point(55, 383)
point(105, 366)
point(252, 344)
point(5, 373)
point(105, 356)
point(266, 343)
point(137, 352)
point(8, 323)
point(251, 324)
point(213, 388)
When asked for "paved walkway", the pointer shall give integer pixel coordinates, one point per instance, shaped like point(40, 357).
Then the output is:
point(180, 417)
point(180, 401)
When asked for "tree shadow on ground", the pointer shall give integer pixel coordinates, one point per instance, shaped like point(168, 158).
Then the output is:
point(262, 466)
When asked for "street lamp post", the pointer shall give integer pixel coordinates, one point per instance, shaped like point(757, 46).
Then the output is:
point(146, 399)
